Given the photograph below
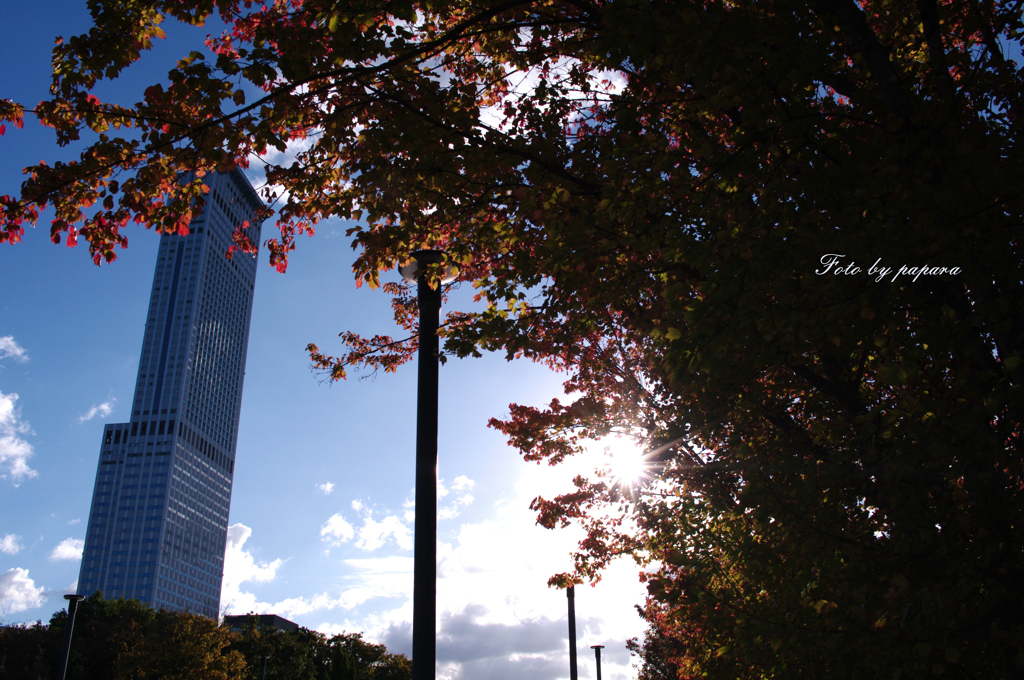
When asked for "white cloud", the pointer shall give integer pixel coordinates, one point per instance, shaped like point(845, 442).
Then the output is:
point(14, 451)
point(326, 487)
point(18, 592)
point(10, 348)
point(331, 629)
point(241, 567)
point(11, 544)
point(336, 530)
point(72, 522)
point(530, 648)
point(374, 534)
point(520, 629)
point(365, 580)
point(497, 617)
point(293, 147)
point(377, 577)
point(102, 410)
point(68, 549)
point(452, 511)
point(461, 484)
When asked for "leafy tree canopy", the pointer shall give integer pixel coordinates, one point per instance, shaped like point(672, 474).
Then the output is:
point(127, 640)
point(122, 640)
point(684, 205)
point(308, 655)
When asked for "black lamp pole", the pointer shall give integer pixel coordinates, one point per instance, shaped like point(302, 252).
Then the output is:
point(73, 601)
point(597, 652)
point(571, 594)
point(424, 588)
point(263, 666)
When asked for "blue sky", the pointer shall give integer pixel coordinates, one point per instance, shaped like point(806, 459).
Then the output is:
point(320, 514)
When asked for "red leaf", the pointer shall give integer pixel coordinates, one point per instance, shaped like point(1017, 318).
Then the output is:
point(3, 129)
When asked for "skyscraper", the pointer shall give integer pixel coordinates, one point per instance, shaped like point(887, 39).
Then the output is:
point(159, 516)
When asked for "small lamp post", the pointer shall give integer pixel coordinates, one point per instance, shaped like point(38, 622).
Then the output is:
point(570, 592)
point(597, 653)
point(62, 667)
point(424, 588)
point(263, 666)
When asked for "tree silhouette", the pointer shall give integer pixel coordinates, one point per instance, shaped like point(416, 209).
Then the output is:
point(127, 640)
point(777, 241)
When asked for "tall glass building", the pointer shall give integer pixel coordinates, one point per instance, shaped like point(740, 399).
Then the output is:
point(159, 516)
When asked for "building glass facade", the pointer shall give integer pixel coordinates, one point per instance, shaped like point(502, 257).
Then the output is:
point(158, 523)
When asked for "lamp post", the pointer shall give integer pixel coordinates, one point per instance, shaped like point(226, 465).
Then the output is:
point(424, 586)
point(263, 666)
point(597, 653)
point(571, 594)
point(62, 667)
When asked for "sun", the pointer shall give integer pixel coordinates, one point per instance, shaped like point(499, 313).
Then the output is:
point(626, 461)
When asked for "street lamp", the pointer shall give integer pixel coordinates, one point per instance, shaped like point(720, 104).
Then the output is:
point(570, 592)
point(62, 667)
point(424, 584)
point(597, 652)
point(263, 665)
